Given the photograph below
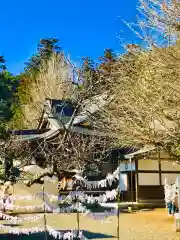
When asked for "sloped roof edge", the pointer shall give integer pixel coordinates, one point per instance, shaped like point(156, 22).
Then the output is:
point(145, 149)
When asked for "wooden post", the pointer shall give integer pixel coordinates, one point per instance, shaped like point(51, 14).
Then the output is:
point(137, 180)
point(78, 219)
point(44, 215)
point(118, 205)
point(165, 190)
point(177, 215)
point(77, 192)
point(131, 183)
point(178, 191)
point(77, 215)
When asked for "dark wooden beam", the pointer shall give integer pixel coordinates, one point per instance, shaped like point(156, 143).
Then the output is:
point(164, 159)
point(157, 171)
point(148, 171)
point(137, 180)
point(160, 177)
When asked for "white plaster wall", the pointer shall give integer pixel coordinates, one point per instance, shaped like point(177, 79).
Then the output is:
point(147, 164)
point(148, 179)
point(123, 183)
point(169, 166)
point(171, 177)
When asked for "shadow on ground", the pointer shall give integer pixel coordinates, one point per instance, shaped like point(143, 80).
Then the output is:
point(41, 236)
point(92, 235)
point(11, 225)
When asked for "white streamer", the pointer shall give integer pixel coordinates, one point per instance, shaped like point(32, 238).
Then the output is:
point(17, 219)
point(29, 208)
point(56, 234)
point(77, 207)
point(102, 183)
point(108, 195)
point(110, 178)
point(27, 198)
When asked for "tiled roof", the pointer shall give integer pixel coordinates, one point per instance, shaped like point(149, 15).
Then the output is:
point(28, 131)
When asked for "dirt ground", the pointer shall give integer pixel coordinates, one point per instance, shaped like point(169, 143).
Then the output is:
point(148, 225)
point(133, 226)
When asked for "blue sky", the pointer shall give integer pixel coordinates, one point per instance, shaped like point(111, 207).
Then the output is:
point(85, 28)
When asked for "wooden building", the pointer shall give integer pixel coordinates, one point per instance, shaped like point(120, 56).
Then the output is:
point(143, 175)
point(142, 170)
point(57, 114)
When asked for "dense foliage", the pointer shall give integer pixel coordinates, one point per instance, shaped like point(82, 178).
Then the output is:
point(15, 91)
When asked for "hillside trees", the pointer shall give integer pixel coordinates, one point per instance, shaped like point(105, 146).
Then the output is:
point(95, 75)
point(45, 48)
point(2, 63)
point(32, 85)
point(8, 86)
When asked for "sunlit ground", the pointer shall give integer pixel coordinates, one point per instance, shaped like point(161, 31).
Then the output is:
point(147, 225)
point(142, 225)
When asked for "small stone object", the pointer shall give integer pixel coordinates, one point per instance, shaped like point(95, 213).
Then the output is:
point(129, 209)
point(145, 210)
